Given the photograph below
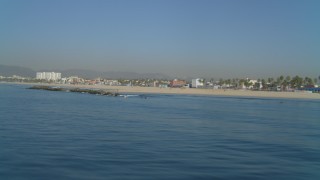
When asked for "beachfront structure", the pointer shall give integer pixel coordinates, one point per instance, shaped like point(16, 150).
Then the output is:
point(196, 83)
point(163, 86)
point(73, 80)
point(48, 76)
point(111, 82)
point(253, 82)
point(177, 83)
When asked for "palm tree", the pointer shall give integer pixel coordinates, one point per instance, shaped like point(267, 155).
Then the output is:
point(203, 82)
point(271, 82)
point(247, 83)
point(221, 82)
point(280, 81)
point(256, 85)
point(233, 82)
point(284, 85)
point(308, 81)
point(281, 78)
point(288, 78)
point(296, 82)
point(242, 82)
point(228, 82)
point(315, 80)
point(264, 84)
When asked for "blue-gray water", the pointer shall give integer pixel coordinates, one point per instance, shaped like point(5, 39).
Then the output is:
point(60, 135)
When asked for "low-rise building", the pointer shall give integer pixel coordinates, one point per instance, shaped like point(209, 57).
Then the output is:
point(163, 86)
point(177, 83)
point(112, 82)
point(73, 80)
point(196, 83)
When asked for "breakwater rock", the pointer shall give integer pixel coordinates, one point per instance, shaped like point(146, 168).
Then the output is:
point(78, 90)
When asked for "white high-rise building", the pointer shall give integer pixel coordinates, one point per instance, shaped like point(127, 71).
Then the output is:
point(48, 75)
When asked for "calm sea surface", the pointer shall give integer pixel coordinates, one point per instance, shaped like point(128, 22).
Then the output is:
point(60, 135)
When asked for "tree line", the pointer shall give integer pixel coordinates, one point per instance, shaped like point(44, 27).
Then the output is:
point(281, 82)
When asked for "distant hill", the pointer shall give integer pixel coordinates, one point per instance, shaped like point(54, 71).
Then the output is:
point(133, 75)
point(6, 70)
point(89, 74)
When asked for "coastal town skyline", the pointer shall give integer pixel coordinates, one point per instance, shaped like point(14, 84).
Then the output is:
point(281, 83)
point(176, 38)
point(26, 72)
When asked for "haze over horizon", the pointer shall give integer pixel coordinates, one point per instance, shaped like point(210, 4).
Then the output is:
point(180, 38)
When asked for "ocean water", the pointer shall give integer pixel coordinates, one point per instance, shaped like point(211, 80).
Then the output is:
point(60, 135)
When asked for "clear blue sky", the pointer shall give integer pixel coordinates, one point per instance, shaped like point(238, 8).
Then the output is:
point(226, 38)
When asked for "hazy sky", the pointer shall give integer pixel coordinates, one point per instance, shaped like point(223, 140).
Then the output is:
point(226, 38)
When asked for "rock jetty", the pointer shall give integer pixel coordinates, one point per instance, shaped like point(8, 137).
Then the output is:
point(77, 90)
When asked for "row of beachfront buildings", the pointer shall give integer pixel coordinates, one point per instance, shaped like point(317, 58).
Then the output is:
point(56, 76)
point(175, 83)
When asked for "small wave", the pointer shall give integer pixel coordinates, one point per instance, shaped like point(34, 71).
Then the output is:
point(128, 95)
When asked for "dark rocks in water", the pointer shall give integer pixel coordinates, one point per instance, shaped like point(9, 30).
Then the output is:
point(48, 88)
point(77, 90)
point(92, 91)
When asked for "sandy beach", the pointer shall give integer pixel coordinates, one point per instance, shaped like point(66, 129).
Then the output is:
point(193, 91)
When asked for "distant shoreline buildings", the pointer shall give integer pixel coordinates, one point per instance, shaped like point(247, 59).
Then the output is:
point(54, 76)
point(288, 83)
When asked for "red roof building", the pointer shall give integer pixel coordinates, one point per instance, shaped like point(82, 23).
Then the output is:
point(177, 83)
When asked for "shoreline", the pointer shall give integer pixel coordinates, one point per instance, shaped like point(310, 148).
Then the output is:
point(188, 91)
